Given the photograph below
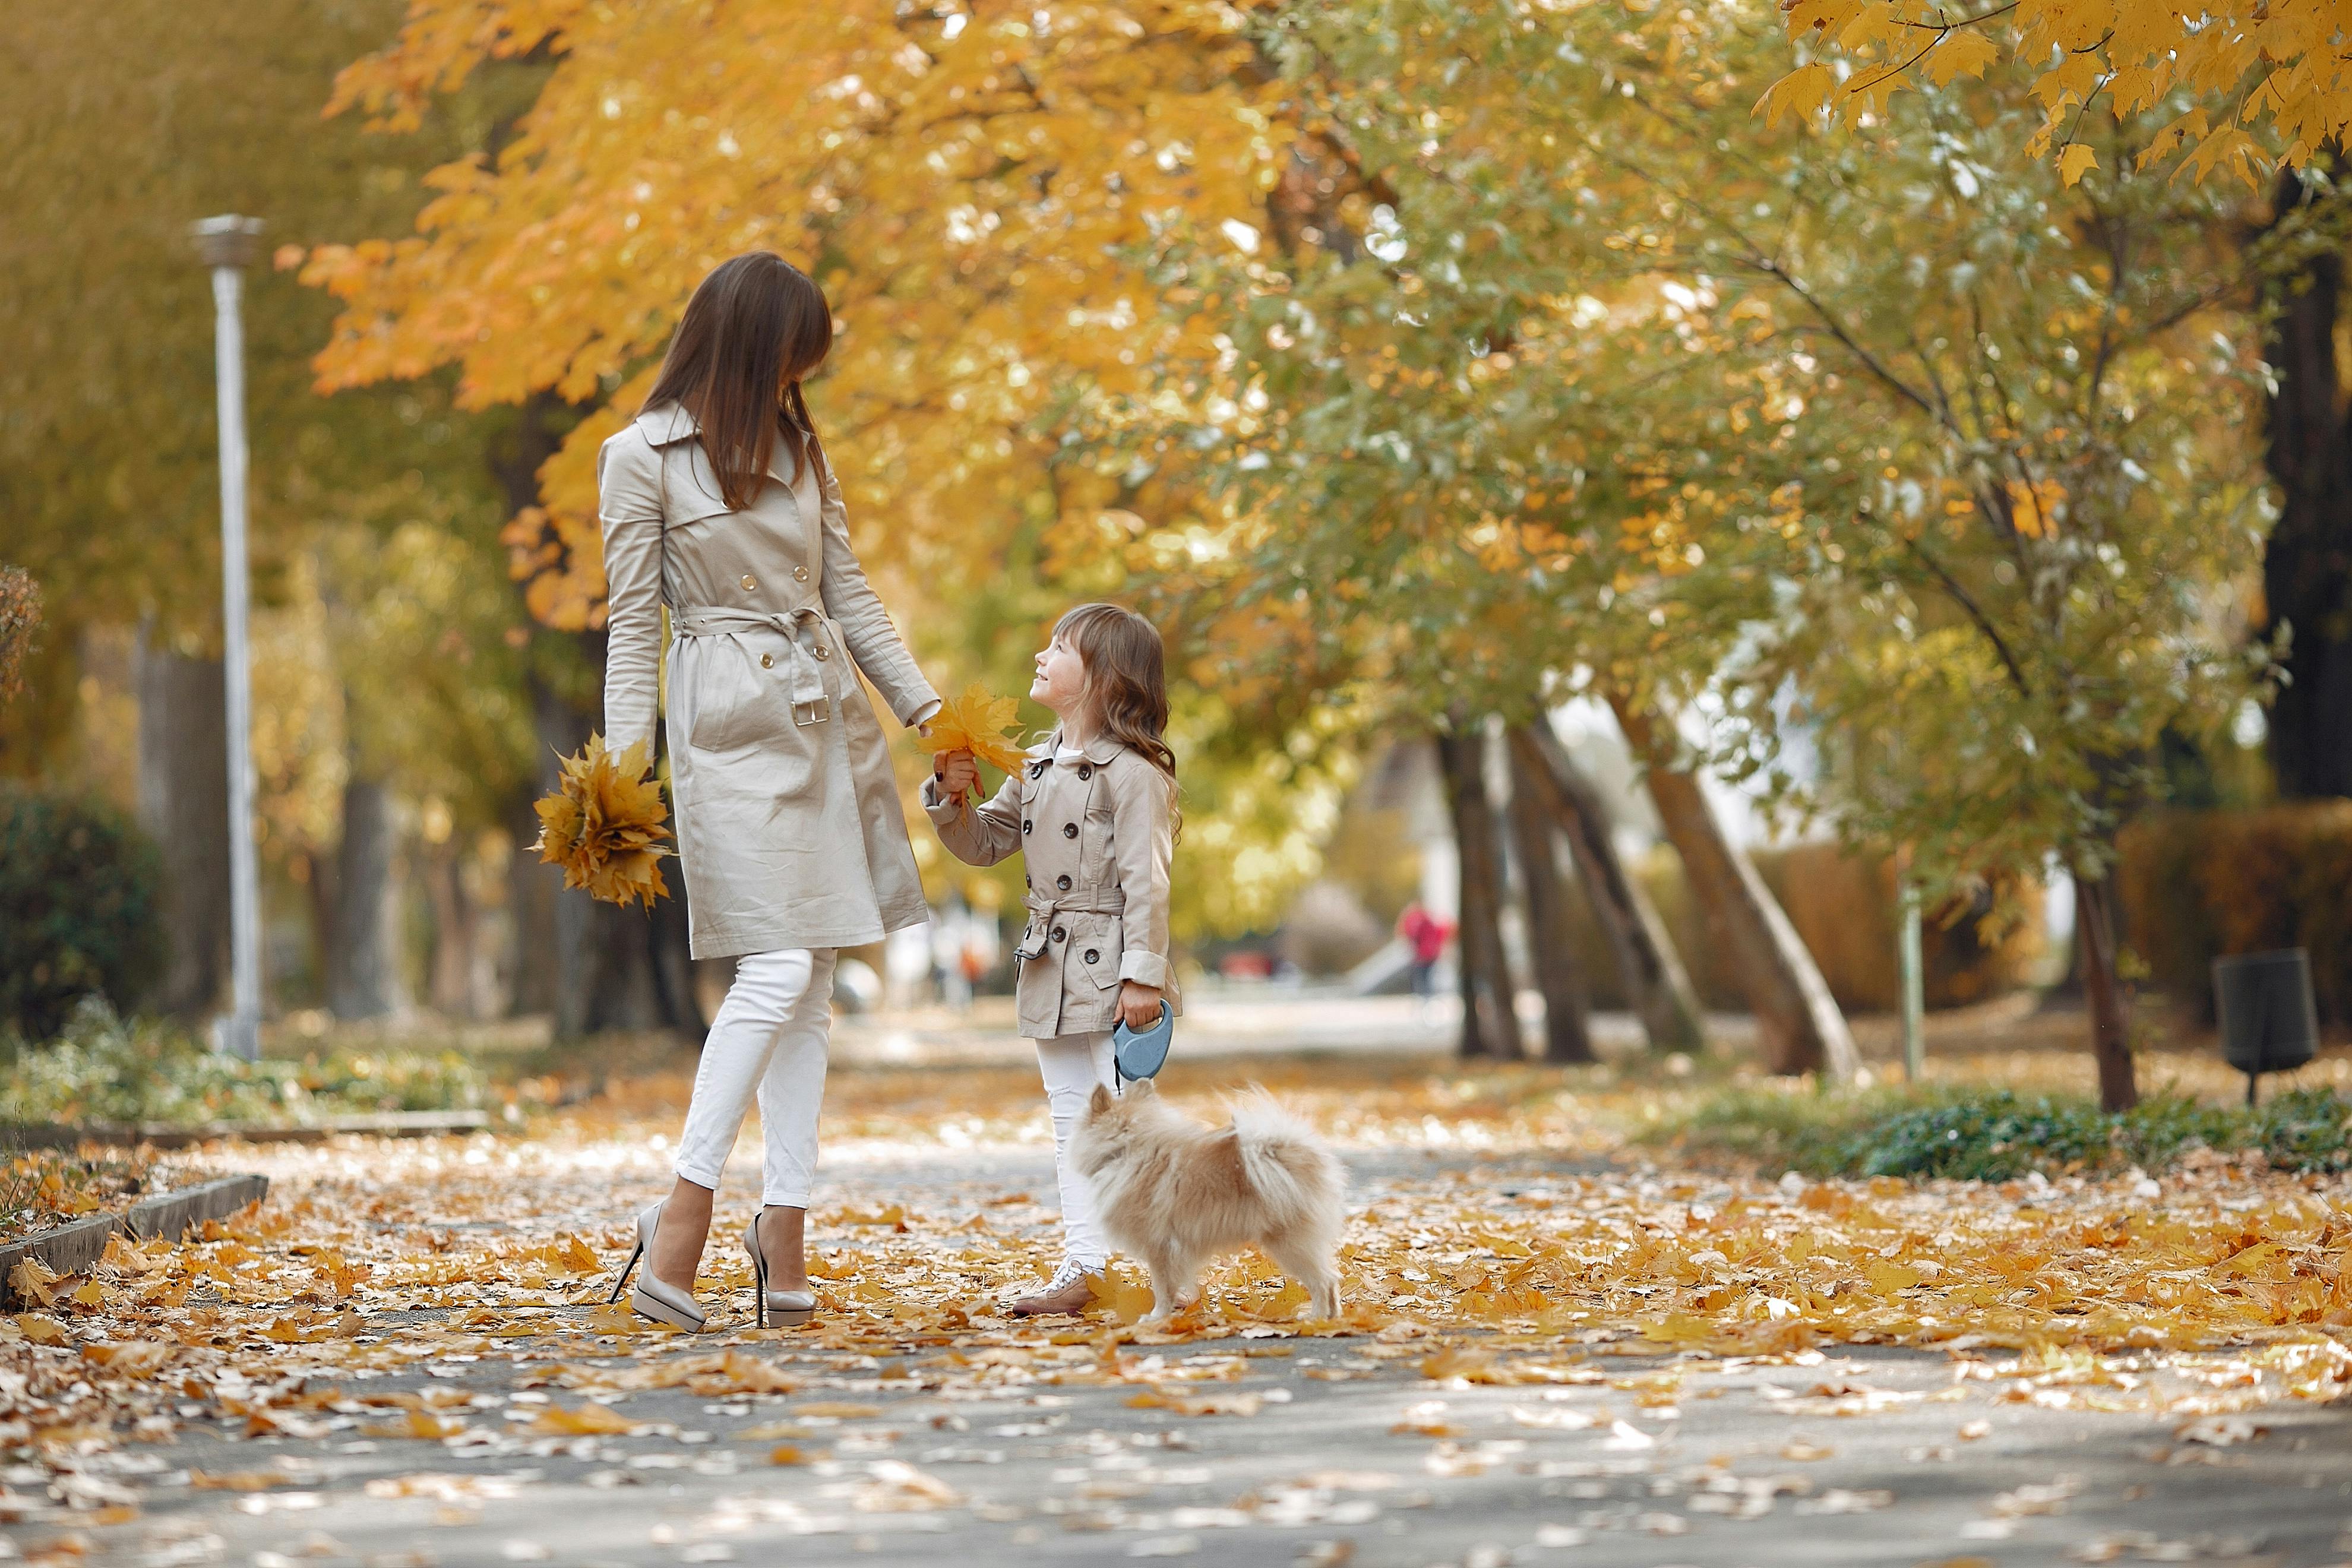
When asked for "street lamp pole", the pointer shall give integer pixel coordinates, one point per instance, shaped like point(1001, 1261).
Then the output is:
point(228, 245)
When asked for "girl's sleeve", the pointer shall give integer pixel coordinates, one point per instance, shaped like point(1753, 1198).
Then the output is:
point(1143, 840)
point(865, 625)
point(628, 502)
point(977, 836)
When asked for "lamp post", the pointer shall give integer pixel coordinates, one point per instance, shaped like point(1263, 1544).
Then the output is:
point(228, 245)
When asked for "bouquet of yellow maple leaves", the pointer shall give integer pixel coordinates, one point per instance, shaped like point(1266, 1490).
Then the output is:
point(604, 825)
point(976, 723)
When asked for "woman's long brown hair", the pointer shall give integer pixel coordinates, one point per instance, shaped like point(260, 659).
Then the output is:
point(1127, 684)
point(753, 329)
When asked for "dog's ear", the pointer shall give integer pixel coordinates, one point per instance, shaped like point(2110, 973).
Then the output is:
point(1140, 1090)
point(1098, 1101)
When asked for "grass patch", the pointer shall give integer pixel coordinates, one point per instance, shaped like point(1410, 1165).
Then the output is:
point(1994, 1134)
point(105, 1070)
point(43, 1187)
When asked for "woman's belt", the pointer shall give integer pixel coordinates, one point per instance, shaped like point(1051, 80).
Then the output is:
point(805, 631)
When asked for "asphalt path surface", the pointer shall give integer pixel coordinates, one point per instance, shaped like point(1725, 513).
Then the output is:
point(1304, 1451)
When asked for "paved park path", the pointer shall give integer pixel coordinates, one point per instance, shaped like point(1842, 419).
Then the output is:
point(461, 1399)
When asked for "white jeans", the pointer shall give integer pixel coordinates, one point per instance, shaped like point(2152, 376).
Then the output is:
point(1071, 1066)
point(768, 1038)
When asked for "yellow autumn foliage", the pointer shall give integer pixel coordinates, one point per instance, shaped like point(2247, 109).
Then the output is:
point(604, 823)
point(2278, 64)
point(976, 723)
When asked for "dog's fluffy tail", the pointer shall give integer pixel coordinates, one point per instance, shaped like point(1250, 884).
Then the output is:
point(1283, 1159)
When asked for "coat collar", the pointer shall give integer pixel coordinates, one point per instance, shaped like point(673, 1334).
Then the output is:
point(671, 422)
point(667, 424)
point(1101, 750)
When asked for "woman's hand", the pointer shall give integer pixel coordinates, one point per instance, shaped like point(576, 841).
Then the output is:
point(1138, 1004)
point(957, 773)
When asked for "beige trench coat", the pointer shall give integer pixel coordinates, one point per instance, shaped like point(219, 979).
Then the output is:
point(789, 827)
point(1096, 831)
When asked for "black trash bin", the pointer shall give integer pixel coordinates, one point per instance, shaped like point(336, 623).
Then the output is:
point(2269, 1021)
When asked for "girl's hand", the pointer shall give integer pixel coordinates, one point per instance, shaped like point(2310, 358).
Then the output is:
point(957, 773)
point(1138, 1004)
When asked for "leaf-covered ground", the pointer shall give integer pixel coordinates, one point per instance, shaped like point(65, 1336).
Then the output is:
point(424, 1320)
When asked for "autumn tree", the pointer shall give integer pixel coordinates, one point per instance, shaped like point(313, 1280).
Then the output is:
point(1906, 436)
point(107, 459)
point(973, 188)
point(2222, 92)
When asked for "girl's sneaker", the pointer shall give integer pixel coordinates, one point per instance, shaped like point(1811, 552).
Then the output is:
point(1070, 1291)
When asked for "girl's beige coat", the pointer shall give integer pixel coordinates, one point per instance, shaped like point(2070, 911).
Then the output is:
point(789, 827)
point(1097, 834)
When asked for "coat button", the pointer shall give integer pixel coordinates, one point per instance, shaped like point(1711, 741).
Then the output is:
point(767, 662)
point(1061, 882)
point(800, 573)
point(1026, 824)
point(1060, 934)
point(1069, 830)
point(1086, 770)
point(821, 651)
point(1092, 954)
point(749, 581)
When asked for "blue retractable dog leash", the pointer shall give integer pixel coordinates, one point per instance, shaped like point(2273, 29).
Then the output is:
point(1142, 1053)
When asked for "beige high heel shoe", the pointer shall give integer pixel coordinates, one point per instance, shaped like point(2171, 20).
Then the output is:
point(663, 1303)
point(791, 1308)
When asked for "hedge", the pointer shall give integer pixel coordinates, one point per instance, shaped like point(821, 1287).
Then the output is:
point(78, 908)
point(1845, 907)
point(2196, 885)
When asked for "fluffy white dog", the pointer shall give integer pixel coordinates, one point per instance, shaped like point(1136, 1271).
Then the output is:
point(1176, 1194)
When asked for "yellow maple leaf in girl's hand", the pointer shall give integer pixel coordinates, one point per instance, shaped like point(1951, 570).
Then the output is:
point(976, 723)
point(604, 825)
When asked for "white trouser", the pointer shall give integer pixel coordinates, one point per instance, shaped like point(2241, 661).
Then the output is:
point(768, 1038)
point(1071, 1066)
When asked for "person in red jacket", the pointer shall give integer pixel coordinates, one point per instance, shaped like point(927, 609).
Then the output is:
point(1426, 934)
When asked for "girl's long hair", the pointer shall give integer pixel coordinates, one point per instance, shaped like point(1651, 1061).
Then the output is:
point(754, 328)
point(1127, 684)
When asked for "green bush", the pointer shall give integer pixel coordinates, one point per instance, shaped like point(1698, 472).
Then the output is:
point(78, 908)
point(2196, 885)
point(104, 1069)
point(1996, 1135)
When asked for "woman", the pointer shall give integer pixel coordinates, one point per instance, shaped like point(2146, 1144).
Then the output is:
point(718, 502)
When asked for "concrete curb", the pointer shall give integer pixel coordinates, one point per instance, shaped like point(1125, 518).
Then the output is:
point(165, 1135)
point(75, 1247)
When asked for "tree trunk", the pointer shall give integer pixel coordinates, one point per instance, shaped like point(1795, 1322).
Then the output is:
point(457, 927)
point(531, 891)
point(184, 806)
point(1801, 1027)
point(2308, 562)
point(1657, 986)
point(1567, 1035)
point(362, 937)
point(1490, 1027)
point(2095, 924)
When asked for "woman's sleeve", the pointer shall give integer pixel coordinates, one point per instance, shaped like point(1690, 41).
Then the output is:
point(865, 625)
point(628, 502)
point(977, 836)
point(1143, 841)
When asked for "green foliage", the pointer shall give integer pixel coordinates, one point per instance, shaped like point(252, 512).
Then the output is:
point(1906, 447)
point(102, 1069)
point(78, 911)
point(1997, 1135)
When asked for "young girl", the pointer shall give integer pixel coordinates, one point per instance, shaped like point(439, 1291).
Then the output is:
point(1094, 810)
